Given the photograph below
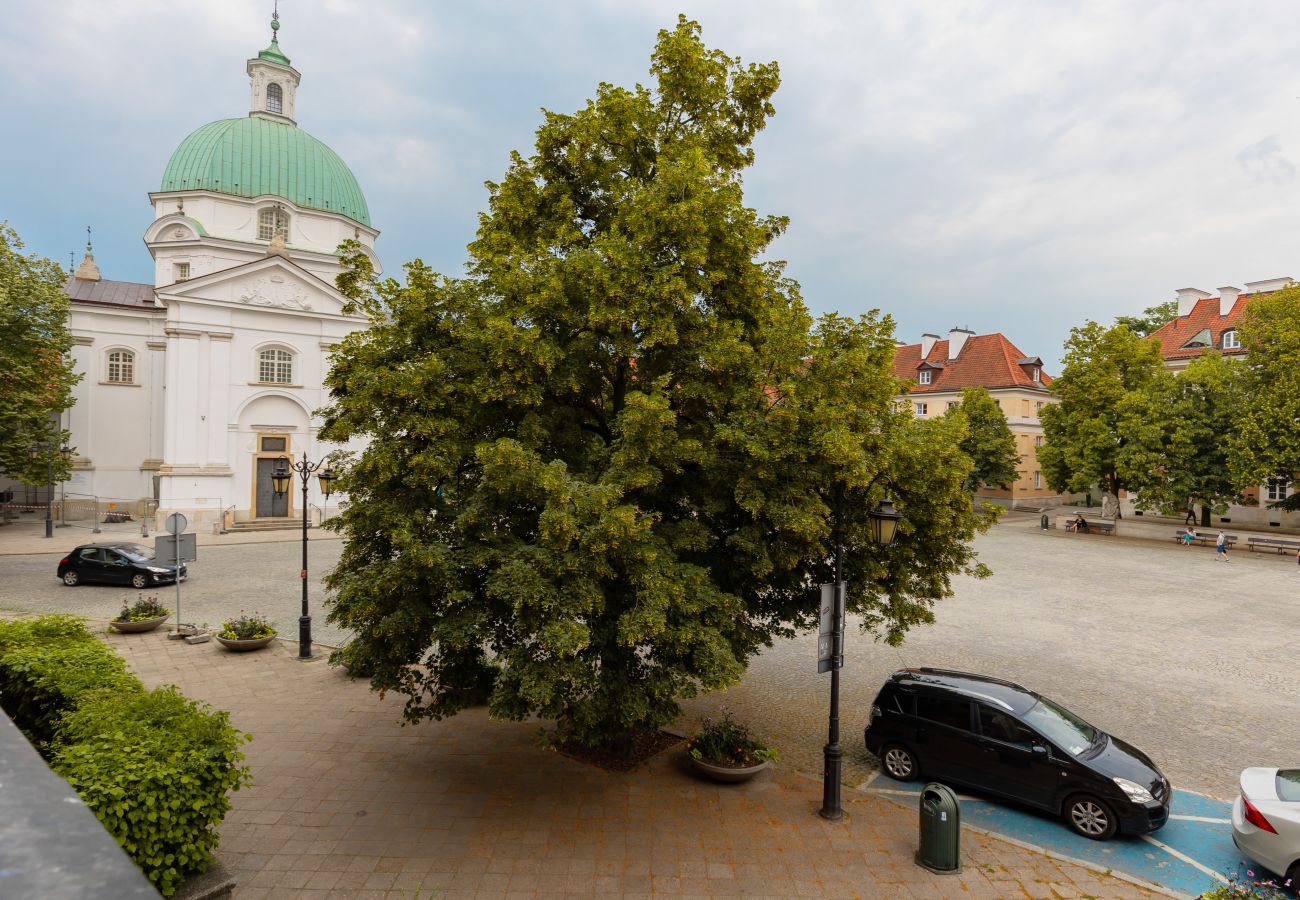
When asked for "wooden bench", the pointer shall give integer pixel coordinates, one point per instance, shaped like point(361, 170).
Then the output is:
point(1101, 526)
point(1281, 545)
point(1203, 538)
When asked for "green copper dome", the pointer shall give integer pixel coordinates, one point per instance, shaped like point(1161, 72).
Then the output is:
point(253, 156)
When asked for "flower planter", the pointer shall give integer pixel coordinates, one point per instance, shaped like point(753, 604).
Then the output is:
point(726, 774)
point(139, 627)
point(244, 645)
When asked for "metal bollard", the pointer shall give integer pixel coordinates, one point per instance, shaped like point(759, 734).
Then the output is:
point(1044, 522)
point(940, 849)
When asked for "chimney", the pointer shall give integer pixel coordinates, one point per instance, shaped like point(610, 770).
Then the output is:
point(956, 340)
point(1187, 298)
point(1228, 299)
point(1271, 284)
point(927, 344)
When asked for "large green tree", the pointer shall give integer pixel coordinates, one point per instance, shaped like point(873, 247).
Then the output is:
point(1152, 318)
point(989, 442)
point(603, 468)
point(1266, 443)
point(1082, 433)
point(36, 375)
point(1175, 431)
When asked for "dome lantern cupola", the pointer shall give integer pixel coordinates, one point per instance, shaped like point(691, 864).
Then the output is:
point(273, 81)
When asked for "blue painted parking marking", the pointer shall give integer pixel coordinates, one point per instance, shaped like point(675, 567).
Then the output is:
point(1192, 854)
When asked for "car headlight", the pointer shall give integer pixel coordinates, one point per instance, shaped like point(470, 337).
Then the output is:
point(1136, 792)
point(157, 571)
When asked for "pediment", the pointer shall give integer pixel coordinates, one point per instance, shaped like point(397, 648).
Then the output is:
point(274, 283)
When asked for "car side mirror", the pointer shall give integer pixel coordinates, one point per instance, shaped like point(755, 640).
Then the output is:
point(1041, 751)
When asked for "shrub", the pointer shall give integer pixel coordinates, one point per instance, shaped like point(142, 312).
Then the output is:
point(142, 610)
point(726, 742)
point(247, 628)
point(155, 768)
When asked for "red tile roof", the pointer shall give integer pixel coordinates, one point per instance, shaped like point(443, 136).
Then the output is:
point(986, 360)
point(1205, 314)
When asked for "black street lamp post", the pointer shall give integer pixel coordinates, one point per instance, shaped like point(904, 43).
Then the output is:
point(884, 527)
point(280, 482)
point(34, 454)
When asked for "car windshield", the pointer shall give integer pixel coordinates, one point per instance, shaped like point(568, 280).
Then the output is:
point(135, 551)
point(1288, 785)
point(1062, 727)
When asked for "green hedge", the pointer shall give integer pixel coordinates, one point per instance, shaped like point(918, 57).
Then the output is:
point(153, 766)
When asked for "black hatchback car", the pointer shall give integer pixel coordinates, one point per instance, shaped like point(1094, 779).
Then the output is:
point(124, 563)
point(1000, 738)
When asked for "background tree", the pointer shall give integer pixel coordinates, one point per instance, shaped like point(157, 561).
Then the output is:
point(989, 442)
point(36, 375)
point(1266, 443)
point(1151, 319)
point(1082, 434)
point(602, 469)
point(1176, 429)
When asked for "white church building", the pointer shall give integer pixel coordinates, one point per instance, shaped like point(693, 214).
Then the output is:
point(195, 386)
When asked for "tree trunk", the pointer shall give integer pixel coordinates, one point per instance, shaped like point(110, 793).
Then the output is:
point(1205, 515)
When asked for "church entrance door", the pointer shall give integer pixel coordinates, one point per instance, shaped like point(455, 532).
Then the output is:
point(268, 504)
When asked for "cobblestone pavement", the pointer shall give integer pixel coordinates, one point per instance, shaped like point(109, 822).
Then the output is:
point(1191, 660)
point(348, 803)
point(226, 578)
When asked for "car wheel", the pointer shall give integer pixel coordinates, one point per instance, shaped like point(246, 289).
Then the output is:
point(1090, 817)
point(1293, 874)
point(899, 763)
point(71, 578)
point(139, 581)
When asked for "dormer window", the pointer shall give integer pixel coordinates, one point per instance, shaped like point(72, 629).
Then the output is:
point(1200, 339)
point(924, 376)
point(274, 98)
point(1036, 374)
point(273, 222)
point(1230, 341)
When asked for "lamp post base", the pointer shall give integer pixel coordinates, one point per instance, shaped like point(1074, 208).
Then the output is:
point(304, 637)
point(831, 810)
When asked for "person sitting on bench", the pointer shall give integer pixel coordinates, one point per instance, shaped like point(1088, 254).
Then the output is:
point(1079, 523)
point(1189, 536)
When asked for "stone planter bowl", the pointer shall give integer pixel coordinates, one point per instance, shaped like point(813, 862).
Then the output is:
point(139, 627)
point(241, 646)
point(726, 774)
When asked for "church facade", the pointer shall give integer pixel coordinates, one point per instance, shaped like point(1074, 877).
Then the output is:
point(195, 386)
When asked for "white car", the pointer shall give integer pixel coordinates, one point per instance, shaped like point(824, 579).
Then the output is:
point(1266, 820)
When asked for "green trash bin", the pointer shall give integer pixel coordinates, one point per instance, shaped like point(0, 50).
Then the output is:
point(940, 830)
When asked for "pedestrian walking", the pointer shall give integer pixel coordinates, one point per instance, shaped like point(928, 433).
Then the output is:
point(1221, 547)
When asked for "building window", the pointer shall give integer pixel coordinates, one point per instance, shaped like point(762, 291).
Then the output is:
point(1038, 440)
point(1276, 488)
point(953, 404)
point(121, 367)
point(1038, 479)
point(924, 377)
point(181, 272)
point(273, 222)
point(275, 366)
point(1230, 341)
point(274, 98)
point(274, 444)
point(921, 409)
point(1036, 374)
point(1038, 407)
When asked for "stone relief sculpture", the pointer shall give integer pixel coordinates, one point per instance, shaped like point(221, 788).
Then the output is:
point(275, 290)
point(1109, 505)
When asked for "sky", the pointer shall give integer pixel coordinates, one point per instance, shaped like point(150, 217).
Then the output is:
point(1001, 166)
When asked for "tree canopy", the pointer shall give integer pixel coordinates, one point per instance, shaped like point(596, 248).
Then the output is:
point(1151, 319)
point(1266, 442)
point(1176, 429)
point(36, 375)
point(1083, 435)
point(989, 442)
point(602, 467)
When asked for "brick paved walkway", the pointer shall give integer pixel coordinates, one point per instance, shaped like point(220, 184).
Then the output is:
point(348, 803)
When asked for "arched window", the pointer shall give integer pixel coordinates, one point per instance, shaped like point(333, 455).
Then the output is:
point(273, 222)
point(1230, 341)
point(274, 98)
point(275, 366)
point(121, 367)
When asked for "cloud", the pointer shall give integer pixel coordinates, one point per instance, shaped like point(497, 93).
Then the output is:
point(1263, 162)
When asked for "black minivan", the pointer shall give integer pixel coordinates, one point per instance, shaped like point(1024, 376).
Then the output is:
point(998, 737)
